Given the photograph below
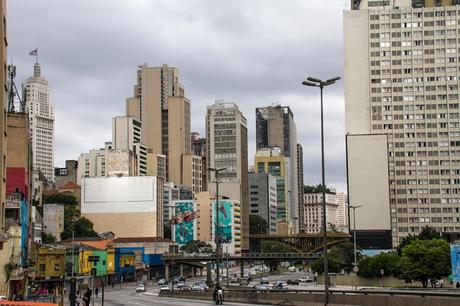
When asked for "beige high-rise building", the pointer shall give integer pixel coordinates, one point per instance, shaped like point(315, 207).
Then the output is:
point(402, 115)
point(227, 147)
point(159, 103)
point(93, 163)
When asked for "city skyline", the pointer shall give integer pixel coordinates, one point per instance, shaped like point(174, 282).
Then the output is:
point(88, 89)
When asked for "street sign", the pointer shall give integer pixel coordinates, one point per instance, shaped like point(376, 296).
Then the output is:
point(355, 269)
point(93, 258)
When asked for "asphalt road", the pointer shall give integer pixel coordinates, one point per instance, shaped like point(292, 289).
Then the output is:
point(128, 297)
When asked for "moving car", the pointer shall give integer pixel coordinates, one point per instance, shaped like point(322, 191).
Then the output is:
point(140, 287)
point(280, 285)
point(178, 279)
point(261, 288)
point(199, 286)
point(162, 282)
point(264, 280)
point(306, 279)
point(293, 281)
point(165, 287)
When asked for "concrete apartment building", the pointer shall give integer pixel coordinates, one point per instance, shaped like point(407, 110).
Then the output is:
point(342, 212)
point(126, 135)
point(67, 174)
point(275, 127)
point(159, 103)
point(273, 162)
point(263, 198)
point(402, 116)
point(227, 147)
point(199, 149)
point(313, 212)
point(93, 163)
point(41, 117)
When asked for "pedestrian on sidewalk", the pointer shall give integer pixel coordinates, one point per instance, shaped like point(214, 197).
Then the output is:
point(97, 291)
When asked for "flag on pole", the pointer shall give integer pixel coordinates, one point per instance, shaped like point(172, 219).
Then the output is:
point(34, 52)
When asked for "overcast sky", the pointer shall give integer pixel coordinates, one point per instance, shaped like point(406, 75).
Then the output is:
point(254, 53)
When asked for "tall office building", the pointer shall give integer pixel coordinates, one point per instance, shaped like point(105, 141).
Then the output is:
point(273, 162)
point(402, 116)
point(93, 163)
point(263, 198)
point(159, 103)
point(199, 149)
point(275, 127)
point(41, 117)
point(300, 185)
point(227, 147)
point(342, 211)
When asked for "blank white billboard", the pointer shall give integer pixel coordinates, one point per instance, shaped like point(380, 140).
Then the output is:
point(118, 194)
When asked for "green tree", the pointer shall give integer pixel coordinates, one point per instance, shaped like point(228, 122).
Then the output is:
point(73, 222)
point(317, 189)
point(427, 233)
point(48, 238)
point(276, 247)
point(370, 266)
point(257, 225)
point(60, 198)
point(340, 257)
point(197, 247)
point(425, 260)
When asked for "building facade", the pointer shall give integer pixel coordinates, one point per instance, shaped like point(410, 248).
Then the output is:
point(273, 162)
point(159, 103)
point(402, 96)
point(300, 185)
point(3, 101)
point(227, 147)
point(67, 174)
point(313, 212)
point(93, 163)
point(199, 149)
point(263, 198)
point(41, 117)
point(342, 211)
point(275, 127)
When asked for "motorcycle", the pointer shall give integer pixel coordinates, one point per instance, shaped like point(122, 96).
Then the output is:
point(219, 296)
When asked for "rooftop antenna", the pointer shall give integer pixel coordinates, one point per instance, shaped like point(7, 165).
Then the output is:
point(13, 90)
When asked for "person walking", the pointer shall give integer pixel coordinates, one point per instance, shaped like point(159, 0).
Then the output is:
point(87, 297)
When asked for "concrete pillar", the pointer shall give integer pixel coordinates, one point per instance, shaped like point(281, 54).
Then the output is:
point(167, 271)
point(181, 267)
point(242, 267)
point(201, 272)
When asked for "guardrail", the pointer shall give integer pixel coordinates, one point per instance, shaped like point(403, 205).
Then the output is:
point(169, 256)
point(416, 292)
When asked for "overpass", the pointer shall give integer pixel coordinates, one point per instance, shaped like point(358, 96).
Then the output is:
point(302, 242)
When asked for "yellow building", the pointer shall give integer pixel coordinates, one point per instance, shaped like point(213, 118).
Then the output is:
point(273, 162)
point(110, 261)
point(49, 261)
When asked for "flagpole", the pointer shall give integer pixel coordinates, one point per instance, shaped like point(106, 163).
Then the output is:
point(36, 55)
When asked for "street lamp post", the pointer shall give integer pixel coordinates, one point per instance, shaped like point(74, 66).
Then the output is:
point(314, 82)
point(355, 264)
point(217, 231)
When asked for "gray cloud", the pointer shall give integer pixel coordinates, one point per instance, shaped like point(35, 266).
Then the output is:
point(252, 52)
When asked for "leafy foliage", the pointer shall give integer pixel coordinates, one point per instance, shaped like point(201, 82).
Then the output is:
point(81, 226)
point(427, 233)
point(197, 247)
point(257, 225)
point(424, 260)
point(316, 189)
point(276, 247)
point(60, 198)
point(48, 238)
point(339, 257)
point(390, 263)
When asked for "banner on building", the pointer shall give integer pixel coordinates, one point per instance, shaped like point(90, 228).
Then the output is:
point(225, 211)
point(183, 221)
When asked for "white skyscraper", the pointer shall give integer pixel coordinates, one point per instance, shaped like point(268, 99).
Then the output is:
point(41, 116)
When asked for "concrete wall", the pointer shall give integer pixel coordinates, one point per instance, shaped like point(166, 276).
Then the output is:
point(315, 299)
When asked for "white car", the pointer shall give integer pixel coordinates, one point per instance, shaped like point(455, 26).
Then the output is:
point(165, 287)
point(305, 279)
point(140, 288)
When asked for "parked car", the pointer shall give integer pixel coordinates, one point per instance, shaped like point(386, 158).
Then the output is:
point(182, 286)
point(140, 287)
point(293, 281)
point(306, 279)
point(162, 282)
point(244, 281)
